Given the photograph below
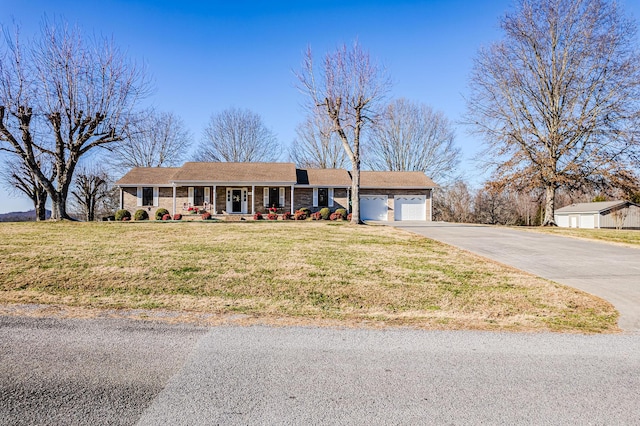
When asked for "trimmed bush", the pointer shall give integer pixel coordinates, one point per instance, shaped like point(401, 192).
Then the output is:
point(286, 216)
point(299, 215)
point(160, 213)
point(334, 216)
point(341, 214)
point(206, 216)
point(258, 216)
point(325, 213)
point(349, 217)
point(121, 214)
point(272, 216)
point(306, 211)
point(141, 215)
point(177, 216)
point(316, 216)
point(166, 216)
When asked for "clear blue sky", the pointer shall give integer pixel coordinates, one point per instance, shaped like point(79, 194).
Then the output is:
point(206, 56)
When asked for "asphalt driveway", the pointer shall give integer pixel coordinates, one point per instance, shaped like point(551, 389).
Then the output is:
point(609, 271)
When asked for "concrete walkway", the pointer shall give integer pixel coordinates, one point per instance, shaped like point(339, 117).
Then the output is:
point(609, 271)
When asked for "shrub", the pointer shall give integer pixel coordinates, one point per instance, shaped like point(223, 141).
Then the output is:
point(299, 215)
point(334, 216)
point(286, 216)
point(121, 214)
point(306, 211)
point(160, 213)
point(349, 217)
point(126, 219)
point(166, 216)
point(177, 216)
point(316, 216)
point(325, 213)
point(206, 216)
point(341, 214)
point(258, 216)
point(272, 216)
point(141, 215)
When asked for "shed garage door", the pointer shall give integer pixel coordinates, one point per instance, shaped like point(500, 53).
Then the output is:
point(373, 207)
point(410, 207)
point(587, 221)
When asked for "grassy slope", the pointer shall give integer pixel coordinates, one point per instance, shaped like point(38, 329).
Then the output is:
point(311, 271)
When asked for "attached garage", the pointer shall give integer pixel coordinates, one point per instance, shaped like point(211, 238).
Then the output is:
point(373, 207)
point(410, 207)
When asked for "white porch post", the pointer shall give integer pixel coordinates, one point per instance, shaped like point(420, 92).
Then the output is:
point(215, 192)
point(292, 210)
point(174, 200)
point(253, 199)
point(121, 199)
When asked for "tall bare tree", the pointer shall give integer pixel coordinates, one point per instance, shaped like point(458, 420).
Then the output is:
point(413, 137)
point(153, 139)
point(63, 95)
point(238, 135)
point(348, 87)
point(454, 203)
point(557, 100)
point(90, 187)
point(316, 145)
point(17, 177)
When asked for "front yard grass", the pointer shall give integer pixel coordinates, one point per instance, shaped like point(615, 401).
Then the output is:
point(628, 237)
point(298, 273)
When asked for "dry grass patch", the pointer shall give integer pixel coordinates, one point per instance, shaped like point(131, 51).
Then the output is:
point(314, 271)
point(627, 237)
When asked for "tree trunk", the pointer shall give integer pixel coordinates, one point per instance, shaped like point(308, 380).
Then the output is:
point(40, 205)
point(355, 193)
point(549, 206)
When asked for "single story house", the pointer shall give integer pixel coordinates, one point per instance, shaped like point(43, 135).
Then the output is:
point(604, 214)
point(248, 188)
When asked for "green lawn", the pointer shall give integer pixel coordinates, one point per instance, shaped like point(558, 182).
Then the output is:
point(296, 272)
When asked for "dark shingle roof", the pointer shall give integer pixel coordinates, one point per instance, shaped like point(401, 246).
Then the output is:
point(323, 177)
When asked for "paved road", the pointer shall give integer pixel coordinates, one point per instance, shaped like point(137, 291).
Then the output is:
point(73, 372)
point(605, 270)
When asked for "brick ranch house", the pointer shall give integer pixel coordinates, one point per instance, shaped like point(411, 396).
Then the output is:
point(248, 188)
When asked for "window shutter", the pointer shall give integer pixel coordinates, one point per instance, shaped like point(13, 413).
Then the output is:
point(191, 196)
point(330, 197)
point(139, 195)
point(282, 201)
point(315, 197)
point(265, 197)
point(156, 196)
point(207, 194)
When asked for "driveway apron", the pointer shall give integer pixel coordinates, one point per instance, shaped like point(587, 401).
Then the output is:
point(606, 270)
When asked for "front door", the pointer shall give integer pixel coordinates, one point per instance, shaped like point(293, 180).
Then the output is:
point(236, 201)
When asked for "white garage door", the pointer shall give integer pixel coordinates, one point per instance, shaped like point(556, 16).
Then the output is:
point(587, 221)
point(373, 207)
point(410, 207)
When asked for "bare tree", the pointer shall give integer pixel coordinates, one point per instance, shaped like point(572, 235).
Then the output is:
point(238, 135)
point(17, 177)
point(316, 145)
point(557, 100)
point(154, 139)
point(349, 88)
point(413, 137)
point(454, 203)
point(89, 189)
point(62, 95)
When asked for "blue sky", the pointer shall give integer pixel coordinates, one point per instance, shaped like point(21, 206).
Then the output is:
point(205, 56)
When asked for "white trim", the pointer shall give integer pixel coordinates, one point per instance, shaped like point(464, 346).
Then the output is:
point(253, 199)
point(174, 202)
point(315, 197)
point(207, 194)
point(215, 199)
point(243, 200)
point(330, 194)
point(156, 196)
point(282, 198)
point(121, 199)
point(265, 197)
point(190, 196)
point(292, 208)
point(139, 196)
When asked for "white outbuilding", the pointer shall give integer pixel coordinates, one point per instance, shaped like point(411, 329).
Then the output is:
point(605, 214)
